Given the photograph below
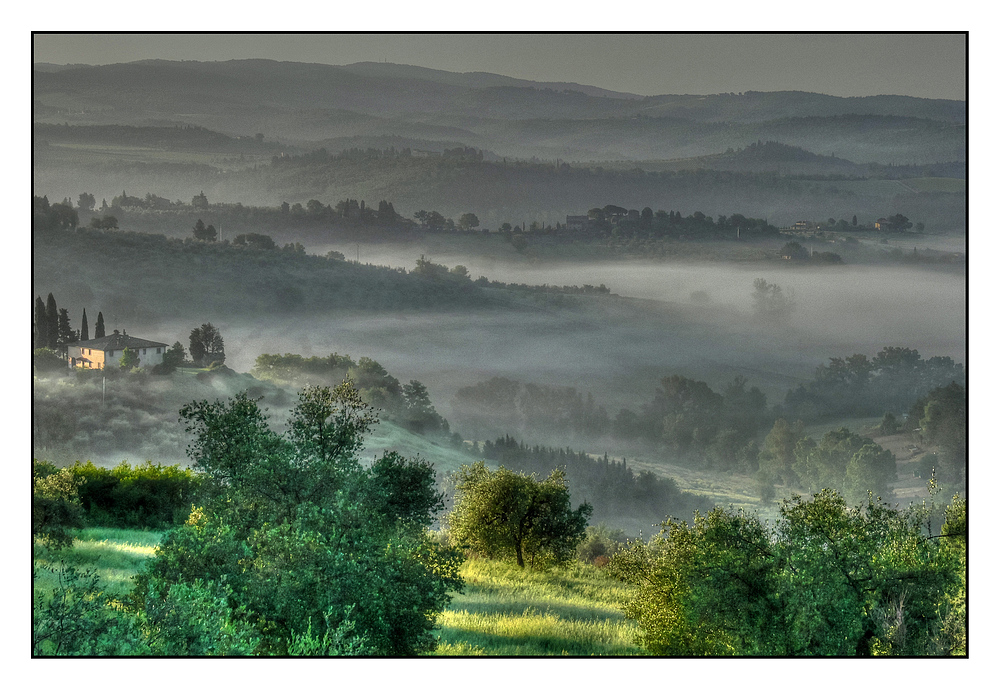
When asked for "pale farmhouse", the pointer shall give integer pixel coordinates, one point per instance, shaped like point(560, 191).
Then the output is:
point(107, 351)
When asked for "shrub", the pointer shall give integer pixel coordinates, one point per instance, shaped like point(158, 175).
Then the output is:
point(55, 504)
point(144, 496)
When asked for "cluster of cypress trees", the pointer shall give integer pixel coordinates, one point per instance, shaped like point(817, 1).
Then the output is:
point(51, 327)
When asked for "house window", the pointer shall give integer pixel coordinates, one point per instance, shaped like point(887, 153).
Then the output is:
point(158, 350)
point(143, 350)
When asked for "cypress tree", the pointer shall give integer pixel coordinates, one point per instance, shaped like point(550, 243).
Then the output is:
point(99, 327)
point(41, 325)
point(65, 333)
point(51, 323)
point(84, 330)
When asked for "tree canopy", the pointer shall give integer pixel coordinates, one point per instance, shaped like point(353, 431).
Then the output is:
point(826, 580)
point(508, 515)
point(207, 345)
point(317, 553)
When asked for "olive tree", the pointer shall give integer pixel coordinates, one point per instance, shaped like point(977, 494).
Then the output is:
point(509, 515)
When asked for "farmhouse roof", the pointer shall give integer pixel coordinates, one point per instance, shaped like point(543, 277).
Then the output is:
point(118, 341)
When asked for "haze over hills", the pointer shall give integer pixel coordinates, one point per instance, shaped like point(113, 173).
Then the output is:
point(219, 127)
point(302, 103)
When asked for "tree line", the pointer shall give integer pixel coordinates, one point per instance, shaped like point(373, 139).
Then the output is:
point(610, 487)
point(408, 405)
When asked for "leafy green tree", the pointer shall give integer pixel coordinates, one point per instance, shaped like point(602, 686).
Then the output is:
point(64, 331)
point(468, 221)
point(45, 361)
point(794, 251)
point(321, 554)
point(86, 202)
point(99, 327)
point(844, 461)
point(770, 303)
point(899, 222)
point(129, 360)
point(200, 201)
point(507, 515)
point(255, 240)
point(684, 413)
point(84, 328)
point(79, 619)
point(205, 233)
point(106, 222)
point(954, 616)
point(63, 216)
point(173, 357)
point(777, 455)
point(420, 414)
point(825, 580)
point(207, 345)
point(942, 416)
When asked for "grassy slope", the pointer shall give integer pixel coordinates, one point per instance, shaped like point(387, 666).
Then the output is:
point(506, 611)
point(115, 554)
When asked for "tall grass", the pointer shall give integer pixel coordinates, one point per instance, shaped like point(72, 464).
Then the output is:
point(509, 611)
point(114, 554)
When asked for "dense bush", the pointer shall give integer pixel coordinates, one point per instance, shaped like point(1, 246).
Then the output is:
point(55, 504)
point(79, 619)
point(826, 579)
point(321, 555)
point(143, 496)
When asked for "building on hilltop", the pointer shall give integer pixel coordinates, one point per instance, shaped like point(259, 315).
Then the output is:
point(107, 351)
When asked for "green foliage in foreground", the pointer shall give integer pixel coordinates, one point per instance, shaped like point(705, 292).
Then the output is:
point(81, 619)
point(142, 496)
point(826, 580)
point(311, 551)
point(55, 504)
point(296, 550)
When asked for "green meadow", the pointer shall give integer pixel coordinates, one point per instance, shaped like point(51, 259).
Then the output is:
point(114, 554)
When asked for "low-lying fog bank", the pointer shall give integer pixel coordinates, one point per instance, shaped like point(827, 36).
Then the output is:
point(693, 320)
point(619, 351)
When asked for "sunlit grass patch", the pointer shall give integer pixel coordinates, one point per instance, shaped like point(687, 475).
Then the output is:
point(458, 649)
point(509, 611)
point(116, 555)
point(534, 633)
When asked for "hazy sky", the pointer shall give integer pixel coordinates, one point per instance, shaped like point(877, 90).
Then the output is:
point(925, 65)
